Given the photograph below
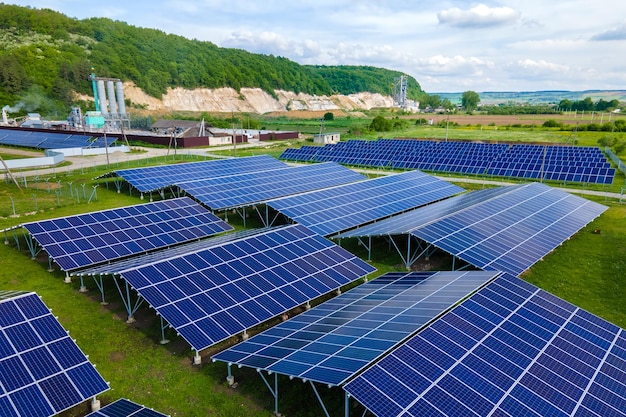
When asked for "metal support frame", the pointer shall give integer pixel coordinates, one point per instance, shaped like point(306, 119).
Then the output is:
point(267, 222)
point(125, 295)
point(118, 186)
point(164, 325)
point(273, 391)
point(31, 244)
point(242, 214)
point(100, 286)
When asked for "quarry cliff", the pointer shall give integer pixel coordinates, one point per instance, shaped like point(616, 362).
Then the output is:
point(250, 100)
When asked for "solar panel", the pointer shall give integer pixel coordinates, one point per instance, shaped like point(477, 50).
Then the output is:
point(501, 229)
point(513, 231)
point(406, 222)
point(42, 370)
point(158, 177)
point(88, 239)
point(114, 267)
point(333, 341)
point(510, 349)
point(249, 188)
point(339, 208)
point(218, 292)
point(125, 408)
point(560, 163)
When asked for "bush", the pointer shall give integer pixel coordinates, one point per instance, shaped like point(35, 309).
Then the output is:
point(552, 123)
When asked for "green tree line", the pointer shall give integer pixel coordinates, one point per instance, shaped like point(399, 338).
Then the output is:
point(43, 52)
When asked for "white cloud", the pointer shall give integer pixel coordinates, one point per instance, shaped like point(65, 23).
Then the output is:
point(440, 65)
point(478, 16)
point(528, 68)
point(615, 34)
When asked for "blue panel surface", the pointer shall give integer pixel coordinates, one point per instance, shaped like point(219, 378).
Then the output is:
point(245, 189)
point(42, 371)
point(234, 288)
point(501, 229)
point(541, 162)
point(125, 408)
point(536, 355)
point(343, 207)
point(87, 239)
point(158, 177)
point(333, 340)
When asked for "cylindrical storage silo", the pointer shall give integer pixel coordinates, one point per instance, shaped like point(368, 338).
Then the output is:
point(111, 97)
point(121, 106)
point(102, 98)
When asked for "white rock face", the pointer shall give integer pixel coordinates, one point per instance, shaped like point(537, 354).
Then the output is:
point(253, 100)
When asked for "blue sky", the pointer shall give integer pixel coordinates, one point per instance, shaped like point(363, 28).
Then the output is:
point(448, 46)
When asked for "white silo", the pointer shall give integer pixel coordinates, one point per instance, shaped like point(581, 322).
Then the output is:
point(102, 98)
point(121, 106)
point(111, 96)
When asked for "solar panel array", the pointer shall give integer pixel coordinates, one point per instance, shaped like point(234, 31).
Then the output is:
point(218, 292)
point(78, 241)
point(339, 208)
point(158, 177)
point(115, 266)
point(509, 350)
point(50, 140)
point(253, 187)
point(504, 229)
point(559, 163)
point(42, 370)
point(334, 340)
point(125, 408)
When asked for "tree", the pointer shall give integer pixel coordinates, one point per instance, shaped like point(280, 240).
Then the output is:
point(329, 116)
point(447, 104)
point(470, 100)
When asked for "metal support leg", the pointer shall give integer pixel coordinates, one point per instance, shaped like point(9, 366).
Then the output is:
point(163, 326)
point(68, 279)
point(82, 288)
point(319, 399)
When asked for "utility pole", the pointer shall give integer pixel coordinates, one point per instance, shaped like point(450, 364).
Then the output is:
point(9, 173)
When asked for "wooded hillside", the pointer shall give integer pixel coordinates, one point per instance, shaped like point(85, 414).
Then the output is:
point(45, 56)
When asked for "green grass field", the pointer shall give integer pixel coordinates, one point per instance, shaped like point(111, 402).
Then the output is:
point(587, 270)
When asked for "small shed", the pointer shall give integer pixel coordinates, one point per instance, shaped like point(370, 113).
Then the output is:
point(325, 138)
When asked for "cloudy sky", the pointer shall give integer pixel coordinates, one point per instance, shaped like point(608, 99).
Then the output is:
point(447, 45)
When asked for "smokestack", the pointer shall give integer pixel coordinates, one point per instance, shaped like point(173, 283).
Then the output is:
point(102, 98)
point(111, 96)
point(120, 98)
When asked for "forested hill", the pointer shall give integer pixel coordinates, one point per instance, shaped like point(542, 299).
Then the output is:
point(45, 53)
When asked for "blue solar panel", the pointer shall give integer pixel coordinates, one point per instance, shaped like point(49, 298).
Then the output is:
point(510, 349)
point(50, 140)
point(503, 229)
point(246, 189)
point(42, 371)
point(217, 292)
point(158, 177)
point(332, 341)
point(512, 232)
point(560, 163)
point(125, 408)
point(343, 207)
point(87, 239)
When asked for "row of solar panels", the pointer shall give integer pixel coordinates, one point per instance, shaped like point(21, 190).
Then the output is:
point(51, 140)
point(555, 162)
point(43, 372)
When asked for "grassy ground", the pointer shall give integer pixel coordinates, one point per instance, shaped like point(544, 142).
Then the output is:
point(587, 270)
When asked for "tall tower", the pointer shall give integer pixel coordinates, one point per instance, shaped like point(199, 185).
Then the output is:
point(399, 91)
